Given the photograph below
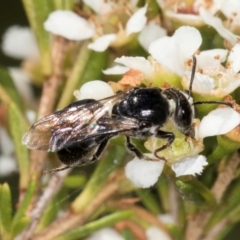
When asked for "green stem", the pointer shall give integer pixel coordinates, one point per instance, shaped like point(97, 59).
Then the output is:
point(77, 72)
point(37, 12)
point(96, 225)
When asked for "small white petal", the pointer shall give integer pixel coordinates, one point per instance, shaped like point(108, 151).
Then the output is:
point(164, 50)
point(99, 6)
point(6, 145)
point(116, 70)
point(137, 21)
point(137, 63)
point(105, 234)
point(219, 121)
point(95, 89)
point(211, 59)
point(172, 52)
point(166, 218)
point(22, 83)
point(216, 23)
point(188, 40)
point(202, 83)
point(190, 165)
point(69, 25)
point(150, 33)
point(143, 173)
point(234, 59)
point(102, 43)
point(31, 116)
point(230, 8)
point(8, 165)
point(19, 42)
point(184, 19)
point(154, 233)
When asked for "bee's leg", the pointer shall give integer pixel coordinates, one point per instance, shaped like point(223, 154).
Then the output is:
point(133, 149)
point(170, 138)
point(99, 151)
point(57, 169)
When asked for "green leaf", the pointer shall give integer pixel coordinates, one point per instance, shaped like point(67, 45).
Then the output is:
point(64, 4)
point(37, 12)
point(17, 123)
point(8, 91)
point(22, 224)
point(96, 225)
point(18, 127)
point(196, 193)
point(148, 200)
point(19, 218)
point(5, 210)
point(53, 208)
point(75, 181)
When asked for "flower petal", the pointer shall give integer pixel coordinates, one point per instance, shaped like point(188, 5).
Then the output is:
point(219, 121)
point(100, 6)
point(150, 32)
point(188, 40)
point(116, 70)
point(6, 147)
point(143, 173)
point(190, 165)
point(95, 89)
point(8, 165)
point(172, 52)
point(138, 63)
point(154, 233)
point(202, 83)
point(69, 25)
point(233, 58)
point(216, 23)
point(137, 21)
point(105, 234)
point(22, 83)
point(102, 43)
point(15, 40)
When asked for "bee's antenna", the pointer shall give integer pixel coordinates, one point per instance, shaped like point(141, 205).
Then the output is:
point(213, 102)
point(192, 75)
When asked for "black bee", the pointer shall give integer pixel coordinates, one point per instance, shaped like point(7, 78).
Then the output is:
point(80, 132)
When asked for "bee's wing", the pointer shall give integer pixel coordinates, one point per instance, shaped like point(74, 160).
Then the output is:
point(73, 123)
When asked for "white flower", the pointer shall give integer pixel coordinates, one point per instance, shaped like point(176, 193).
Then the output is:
point(105, 234)
point(213, 78)
point(22, 82)
point(7, 147)
point(173, 52)
point(217, 24)
point(19, 42)
point(219, 121)
point(231, 9)
point(137, 21)
point(144, 173)
point(95, 89)
point(68, 24)
point(190, 165)
point(100, 6)
point(116, 70)
point(150, 33)
point(137, 63)
point(8, 165)
point(155, 233)
point(102, 43)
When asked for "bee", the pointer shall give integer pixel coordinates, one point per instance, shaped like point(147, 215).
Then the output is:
point(80, 132)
